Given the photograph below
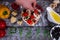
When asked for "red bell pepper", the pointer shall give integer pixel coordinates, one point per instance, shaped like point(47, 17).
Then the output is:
point(2, 33)
point(14, 6)
point(2, 24)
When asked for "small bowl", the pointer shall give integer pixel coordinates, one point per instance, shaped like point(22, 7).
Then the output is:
point(49, 9)
point(54, 30)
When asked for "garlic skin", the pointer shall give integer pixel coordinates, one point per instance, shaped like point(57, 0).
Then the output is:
point(19, 22)
point(13, 19)
point(14, 13)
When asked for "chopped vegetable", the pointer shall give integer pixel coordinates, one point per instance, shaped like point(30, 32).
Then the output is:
point(39, 7)
point(30, 21)
point(25, 14)
point(46, 32)
point(2, 33)
point(20, 31)
point(32, 16)
point(14, 6)
point(13, 19)
point(12, 30)
point(2, 24)
point(14, 13)
point(36, 11)
point(38, 31)
point(29, 32)
point(4, 12)
point(19, 22)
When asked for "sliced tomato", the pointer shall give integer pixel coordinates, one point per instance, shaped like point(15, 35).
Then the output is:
point(36, 11)
point(2, 33)
point(29, 21)
point(32, 16)
point(25, 14)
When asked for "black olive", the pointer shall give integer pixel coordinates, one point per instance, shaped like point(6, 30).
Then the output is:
point(56, 33)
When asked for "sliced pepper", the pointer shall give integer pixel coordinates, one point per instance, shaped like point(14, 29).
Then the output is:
point(4, 12)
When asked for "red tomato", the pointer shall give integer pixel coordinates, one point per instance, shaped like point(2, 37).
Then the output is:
point(14, 6)
point(2, 24)
point(29, 21)
point(25, 14)
point(36, 11)
point(2, 33)
point(32, 16)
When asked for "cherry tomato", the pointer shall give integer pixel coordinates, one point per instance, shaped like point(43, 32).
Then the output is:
point(2, 33)
point(36, 11)
point(32, 16)
point(14, 6)
point(2, 24)
point(25, 14)
point(29, 21)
